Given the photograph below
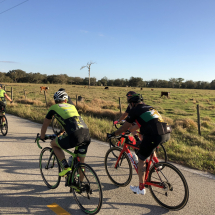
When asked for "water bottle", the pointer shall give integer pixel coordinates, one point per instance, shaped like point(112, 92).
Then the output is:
point(70, 161)
point(135, 158)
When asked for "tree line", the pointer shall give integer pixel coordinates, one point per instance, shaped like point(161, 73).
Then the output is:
point(20, 76)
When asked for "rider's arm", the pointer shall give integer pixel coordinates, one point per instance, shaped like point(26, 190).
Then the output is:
point(8, 97)
point(44, 127)
point(134, 128)
point(123, 128)
point(124, 115)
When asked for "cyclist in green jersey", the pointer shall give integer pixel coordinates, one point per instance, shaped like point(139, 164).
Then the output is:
point(3, 97)
point(76, 131)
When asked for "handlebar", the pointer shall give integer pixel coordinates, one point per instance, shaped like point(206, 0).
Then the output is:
point(37, 139)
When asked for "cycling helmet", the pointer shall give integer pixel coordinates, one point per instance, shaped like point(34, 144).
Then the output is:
point(0, 85)
point(61, 89)
point(130, 93)
point(135, 98)
point(60, 96)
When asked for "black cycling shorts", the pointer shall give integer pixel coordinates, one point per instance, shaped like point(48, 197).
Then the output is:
point(149, 143)
point(66, 142)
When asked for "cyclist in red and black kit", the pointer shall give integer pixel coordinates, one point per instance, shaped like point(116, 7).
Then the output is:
point(154, 130)
point(124, 115)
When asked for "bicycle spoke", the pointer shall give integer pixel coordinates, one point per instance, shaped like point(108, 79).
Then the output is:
point(175, 193)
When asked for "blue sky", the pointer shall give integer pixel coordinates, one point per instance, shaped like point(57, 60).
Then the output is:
point(151, 39)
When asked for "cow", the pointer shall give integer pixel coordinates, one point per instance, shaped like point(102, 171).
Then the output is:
point(106, 88)
point(141, 88)
point(152, 89)
point(165, 94)
point(43, 88)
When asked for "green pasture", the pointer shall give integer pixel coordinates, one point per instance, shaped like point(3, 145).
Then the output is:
point(101, 106)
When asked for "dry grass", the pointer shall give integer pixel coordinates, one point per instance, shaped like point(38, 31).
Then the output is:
point(30, 101)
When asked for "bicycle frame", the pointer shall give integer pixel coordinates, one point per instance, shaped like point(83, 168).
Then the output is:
point(148, 163)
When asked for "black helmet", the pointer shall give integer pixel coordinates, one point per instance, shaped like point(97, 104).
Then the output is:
point(136, 98)
point(61, 89)
point(0, 85)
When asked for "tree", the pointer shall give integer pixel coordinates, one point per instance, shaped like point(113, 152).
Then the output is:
point(15, 75)
point(88, 66)
point(179, 81)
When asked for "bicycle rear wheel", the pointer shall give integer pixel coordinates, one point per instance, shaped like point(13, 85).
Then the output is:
point(56, 126)
point(49, 168)
point(161, 152)
point(4, 125)
point(122, 174)
point(175, 193)
point(88, 193)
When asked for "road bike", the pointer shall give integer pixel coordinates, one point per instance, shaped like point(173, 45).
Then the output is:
point(166, 183)
point(3, 122)
point(119, 142)
point(82, 179)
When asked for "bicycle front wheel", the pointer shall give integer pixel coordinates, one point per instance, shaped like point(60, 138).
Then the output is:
point(49, 168)
point(161, 152)
point(86, 188)
point(56, 126)
point(175, 192)
point(4, 125)
point(120, 175)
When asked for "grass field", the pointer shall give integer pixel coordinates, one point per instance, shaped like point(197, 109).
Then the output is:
point(101, 106)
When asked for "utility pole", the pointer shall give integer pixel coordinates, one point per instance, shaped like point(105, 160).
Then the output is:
point(88, 66)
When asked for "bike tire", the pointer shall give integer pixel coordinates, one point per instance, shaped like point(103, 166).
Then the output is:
point(89, 197)
point(175, 194)
point(56, 126)
point(49, 168)
point(4, 129)
point(122, 175)
point(161, 152)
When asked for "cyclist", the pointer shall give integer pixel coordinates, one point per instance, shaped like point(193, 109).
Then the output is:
point(124, 115)
point(69, 99)
point(77, 132)
point(3, 97)
point(154, 132)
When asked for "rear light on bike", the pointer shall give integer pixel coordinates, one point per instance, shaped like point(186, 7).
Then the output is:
point(78, 159)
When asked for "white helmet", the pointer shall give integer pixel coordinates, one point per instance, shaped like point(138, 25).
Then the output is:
point(60, 96)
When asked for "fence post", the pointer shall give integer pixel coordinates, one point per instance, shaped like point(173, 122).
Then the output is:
point(45, 97)
point(25, 94)
point(76, 100)
point(4, 88)
point(198, 119)
point(120, 108)
point(12, 93)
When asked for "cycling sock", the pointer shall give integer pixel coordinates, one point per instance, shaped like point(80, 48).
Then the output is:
point(65, 164)
point(155, 159)
point(141, 186)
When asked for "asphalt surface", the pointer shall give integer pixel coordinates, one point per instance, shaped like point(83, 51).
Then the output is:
point(22, 190)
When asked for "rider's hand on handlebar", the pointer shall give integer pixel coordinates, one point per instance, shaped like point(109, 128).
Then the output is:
point(110, 135)
point(115, 122)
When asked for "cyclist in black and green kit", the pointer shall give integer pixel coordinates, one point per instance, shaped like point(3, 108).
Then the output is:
point(77, 132)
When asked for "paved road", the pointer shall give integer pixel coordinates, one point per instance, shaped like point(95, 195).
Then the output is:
point(22, 190)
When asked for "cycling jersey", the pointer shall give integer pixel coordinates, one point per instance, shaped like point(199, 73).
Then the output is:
point(147, 118)
point(2, 95)
point(70, 120)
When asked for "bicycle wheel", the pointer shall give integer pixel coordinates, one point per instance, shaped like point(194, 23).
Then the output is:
point(89, 193)
point(56, 126)
point(175, 194)
point(49, 168)
point(122, 174)
point(4, 125)
point(161, 152)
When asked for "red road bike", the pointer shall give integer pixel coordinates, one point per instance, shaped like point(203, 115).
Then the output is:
point(166, 183)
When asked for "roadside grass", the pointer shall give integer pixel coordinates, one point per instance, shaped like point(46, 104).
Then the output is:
point(101, 107)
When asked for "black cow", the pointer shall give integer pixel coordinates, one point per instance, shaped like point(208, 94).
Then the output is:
point(165, 94)
point(106, 88)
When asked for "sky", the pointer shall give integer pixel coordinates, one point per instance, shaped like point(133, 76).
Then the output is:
point(151, 39)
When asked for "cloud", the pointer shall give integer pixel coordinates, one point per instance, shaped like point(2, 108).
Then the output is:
point(101, 35)
point(7, 62)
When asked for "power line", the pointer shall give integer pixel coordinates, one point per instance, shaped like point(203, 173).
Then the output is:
point(14, 6)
